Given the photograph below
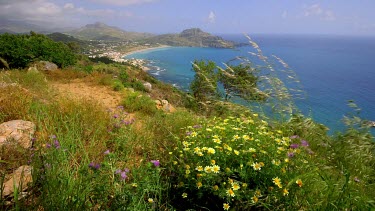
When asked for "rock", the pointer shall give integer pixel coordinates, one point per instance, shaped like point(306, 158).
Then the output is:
point(4, 85)
point(17, 131)
point(32, 69)
point(131, 90)
point(46, 66)
point(159, 105)
point(164, 102)
point(169, 108)
point(19, 179)
point(148, 86)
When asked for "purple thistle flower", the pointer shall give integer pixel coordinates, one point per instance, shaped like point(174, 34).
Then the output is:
point(126, 170)
point(294, 146)
point(97, 166)
point(115, 116)
point(120, 107)
point(290, 154)
point(295, 136)
point(118, 171)
point(106, 152)
point(56, 144)
point(197, 126)
point(123, 175)
point(155, 162)
point(189, 133)
point(304, 143)
point(48, 145)
point(94, 165)
point(52, 136)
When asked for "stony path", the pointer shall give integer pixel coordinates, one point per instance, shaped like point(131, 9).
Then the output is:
point(78, 89)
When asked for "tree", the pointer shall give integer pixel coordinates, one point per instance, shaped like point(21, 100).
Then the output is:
point(240, 81)
point(20, 50)
point(204, 85)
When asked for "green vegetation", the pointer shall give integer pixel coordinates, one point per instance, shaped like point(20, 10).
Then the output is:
point(20, 50)
point(134, 157)
point(191, 37)
point(101, 31)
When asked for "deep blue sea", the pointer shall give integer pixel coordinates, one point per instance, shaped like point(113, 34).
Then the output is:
point(331, 70)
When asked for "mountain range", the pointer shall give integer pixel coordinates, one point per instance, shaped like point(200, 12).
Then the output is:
point(101, 31)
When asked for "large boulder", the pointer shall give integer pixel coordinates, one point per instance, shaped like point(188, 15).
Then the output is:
point(167, 106)
point(46, 66)
point(17, 132)
point(20, 180)
point(148, 86)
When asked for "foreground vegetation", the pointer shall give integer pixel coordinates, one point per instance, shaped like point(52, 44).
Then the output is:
point(136, 157)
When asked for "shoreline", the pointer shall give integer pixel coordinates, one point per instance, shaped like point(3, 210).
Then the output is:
point(144, 50)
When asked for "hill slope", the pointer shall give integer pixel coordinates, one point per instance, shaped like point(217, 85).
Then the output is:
point(101, 31)
point(192, 37)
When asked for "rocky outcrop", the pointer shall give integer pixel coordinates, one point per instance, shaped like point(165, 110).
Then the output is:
point(17, 132)
point(148, 86)
point(43, 66)
point(20, 180)
point(165, 106)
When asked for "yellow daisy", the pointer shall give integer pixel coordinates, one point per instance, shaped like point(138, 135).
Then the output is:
point(208, 169)
point(230, 192)
point(210, 151)
point(199, 185)
point(184, 195)
point(299, 182)
point(256, 166)
point(226, 206)
point(254, 199)
point(285, 192)
point(216, 169)
point(235, 186)
point(199, 168)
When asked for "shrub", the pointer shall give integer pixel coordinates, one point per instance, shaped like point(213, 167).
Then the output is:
point(117, 85)
point(136, 102)
point(20, 50)
point(240, 162)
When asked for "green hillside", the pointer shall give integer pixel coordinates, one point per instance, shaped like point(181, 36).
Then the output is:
point(191, 37)
point(101, 31)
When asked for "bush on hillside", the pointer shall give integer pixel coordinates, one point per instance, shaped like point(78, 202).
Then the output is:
point(20, 50)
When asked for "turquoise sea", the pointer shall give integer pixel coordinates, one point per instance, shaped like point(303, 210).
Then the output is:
point(331, 70)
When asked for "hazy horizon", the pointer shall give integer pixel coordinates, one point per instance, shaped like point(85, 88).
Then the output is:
point(166, 16)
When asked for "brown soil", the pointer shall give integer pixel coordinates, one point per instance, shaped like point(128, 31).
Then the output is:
point(78, 89)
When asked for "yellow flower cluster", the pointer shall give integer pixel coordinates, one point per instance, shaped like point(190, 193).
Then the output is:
point(237, 149)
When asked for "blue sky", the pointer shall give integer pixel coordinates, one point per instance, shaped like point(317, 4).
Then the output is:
point(347, 17)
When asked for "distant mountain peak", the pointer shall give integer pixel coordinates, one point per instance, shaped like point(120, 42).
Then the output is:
point(102, 31)
point(97, 25)
point(192, 37)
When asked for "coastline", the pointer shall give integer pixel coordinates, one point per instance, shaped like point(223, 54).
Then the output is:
point(140, 49)
point(144, 49)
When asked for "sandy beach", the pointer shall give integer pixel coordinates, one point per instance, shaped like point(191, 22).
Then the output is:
point(143, 49)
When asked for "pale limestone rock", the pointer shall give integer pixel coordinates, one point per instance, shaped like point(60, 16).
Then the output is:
point(148, 86)
point(20, 179)
point(17, 131)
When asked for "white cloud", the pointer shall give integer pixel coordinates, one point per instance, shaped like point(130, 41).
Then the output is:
point(284, 14)
point(123, 2)
point(316, 10)
point(69, 6)
point(211, 17)
point(47, 13)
